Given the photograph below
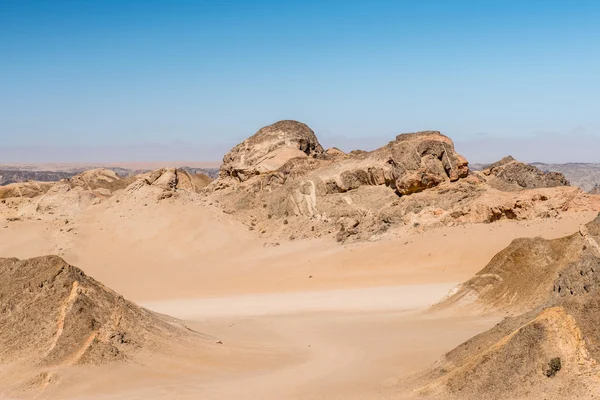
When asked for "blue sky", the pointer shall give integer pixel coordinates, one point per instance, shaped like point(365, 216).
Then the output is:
point(199, 76)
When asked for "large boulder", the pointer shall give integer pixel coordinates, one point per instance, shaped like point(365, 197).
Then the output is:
point(411, 163)
point(269, 149)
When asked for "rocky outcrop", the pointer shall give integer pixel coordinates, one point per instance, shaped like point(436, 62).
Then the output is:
point(416, 179)
point(511, 175)
point(410, 164)
point(172, 179)
point(532, 272)
point(269, 149)
point(548, 347)
point(332, 186)
point(24, 189)
point(53, 314)
point(100, 178)
point(547, 353)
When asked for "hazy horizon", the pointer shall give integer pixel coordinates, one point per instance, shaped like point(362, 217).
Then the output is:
point(544, 148)
point(151, 80)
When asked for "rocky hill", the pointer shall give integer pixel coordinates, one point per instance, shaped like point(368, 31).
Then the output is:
point(532, 271)
point(281, 183)
point(509, 174)
point(548, 353)
point(583, 175)
point(25, 174)
point(71, 196)
point(58, 315)
point(549, 346)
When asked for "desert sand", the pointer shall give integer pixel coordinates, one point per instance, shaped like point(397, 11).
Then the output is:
point(303, 320)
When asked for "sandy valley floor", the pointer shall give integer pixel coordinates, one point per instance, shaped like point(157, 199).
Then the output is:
point(303, 320)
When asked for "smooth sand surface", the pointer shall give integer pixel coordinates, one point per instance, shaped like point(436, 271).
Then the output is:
point(340, 351)
point(181, 251)
point(393, 298)
point(303, 320)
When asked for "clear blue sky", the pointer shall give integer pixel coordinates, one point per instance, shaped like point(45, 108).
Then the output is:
point(209, 73)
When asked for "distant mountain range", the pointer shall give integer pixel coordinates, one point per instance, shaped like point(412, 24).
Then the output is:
point(13, 174)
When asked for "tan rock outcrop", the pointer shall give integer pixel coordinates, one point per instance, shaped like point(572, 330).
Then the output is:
point(548, 346)
point(24, 189)
point(417, 179)
point(509, 174)
point(53, 314)
point(269, 149)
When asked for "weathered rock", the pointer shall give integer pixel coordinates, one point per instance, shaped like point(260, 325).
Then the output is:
point(24, 189)
point(416, 179)
point(513, 175)
point(100, 178)
point(550, 349)
point(173, 179)
point(269, 149)
point(167, 179)
point(52, 314)
point(532, 272)
point(335, 153)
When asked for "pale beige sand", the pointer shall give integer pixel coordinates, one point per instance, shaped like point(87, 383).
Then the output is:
point(347, 349)
point(181, 251)
point(286, 335)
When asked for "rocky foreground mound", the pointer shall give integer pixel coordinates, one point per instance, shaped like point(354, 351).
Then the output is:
point(549, 351)
point(53, 314)
point(281, 183)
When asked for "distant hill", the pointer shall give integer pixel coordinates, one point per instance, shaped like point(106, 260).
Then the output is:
point(584, 175)
point(17, 176)
point(13, 174)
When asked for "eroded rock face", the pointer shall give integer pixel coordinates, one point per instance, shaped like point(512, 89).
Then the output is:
point(418, 179)
point(411, 163)
point(24, 189)
point(174, 179)
point(333, 186)
point(52, 314)
point(269, 149)
point(99, 178)
point(513, 175)
point(532, 272)
point(550, 289)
